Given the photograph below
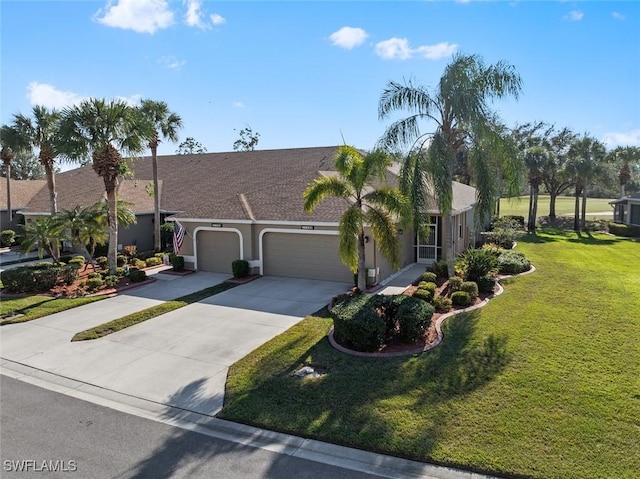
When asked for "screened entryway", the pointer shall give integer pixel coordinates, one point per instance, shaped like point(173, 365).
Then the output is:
point(429, 246)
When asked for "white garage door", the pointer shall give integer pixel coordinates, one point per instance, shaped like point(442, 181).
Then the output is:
point(217, 250)
point(313, 256)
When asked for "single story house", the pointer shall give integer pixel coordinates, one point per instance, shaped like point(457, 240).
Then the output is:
point(22, 192)
point(626, 210)
point(249, 205)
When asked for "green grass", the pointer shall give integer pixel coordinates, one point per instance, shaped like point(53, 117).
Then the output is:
point(149, 313)
point(543, 382)
point(37, 306)
point(565, 206)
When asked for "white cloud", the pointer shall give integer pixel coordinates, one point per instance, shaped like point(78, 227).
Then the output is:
point(217, 19)
point(574, 15)
point(629, 138)
point(348, 37)
point(435, 52)
point(171, 62)
point(394, 48)
point(193, 17)
point(49, 96)
point(617, 15)
point(399, 49)
point(142, 16)
point(132, 100)
point(238, 104)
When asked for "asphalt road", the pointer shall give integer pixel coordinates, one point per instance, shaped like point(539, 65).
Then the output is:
point(42, 431)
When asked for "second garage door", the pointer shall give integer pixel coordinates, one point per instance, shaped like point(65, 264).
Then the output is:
point(313, 256)
point(217, 250)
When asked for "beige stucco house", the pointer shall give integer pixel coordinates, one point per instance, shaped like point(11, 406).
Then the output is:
point(626, 210)
point(249, 205)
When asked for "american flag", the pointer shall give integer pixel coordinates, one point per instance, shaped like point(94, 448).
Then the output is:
point(178, 236)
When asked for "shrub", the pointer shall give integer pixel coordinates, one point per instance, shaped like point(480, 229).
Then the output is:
point(414, 317)
point(441, 304)
point(7, 238)
point(513, 262)
point(143, 255)
point(494, 248)
point(475, 263)
point(94, 284)
point(159, 255)
point(357, 325)
point(471, 288)
point(94, 275)
point(121, 260)
point(440, 268)
point(423, 294)
point(138, 263)
point(240, 268)
point(120, 271)
point(130, 250)
point(629, 231)
point(504, 232)
point(429, 277)
point(103, 262)
point(77, 262)
point(177, 262)
point(65, 258)
point(460, 298)
point(68, 274)
point(455, 282)
point(486, 284)
point(110, 280)
point(518, 219)
point(153, 261)
point(137, 275)
point(428, 286)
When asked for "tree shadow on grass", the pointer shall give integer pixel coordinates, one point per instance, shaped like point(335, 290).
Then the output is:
point(365, 402)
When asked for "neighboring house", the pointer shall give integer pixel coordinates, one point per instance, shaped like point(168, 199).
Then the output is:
point(22, 192)
point(249, 205)
point(626, 210)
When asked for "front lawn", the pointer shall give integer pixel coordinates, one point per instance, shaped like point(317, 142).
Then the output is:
point(565, 206)
point(19, 310)
point(542, 382)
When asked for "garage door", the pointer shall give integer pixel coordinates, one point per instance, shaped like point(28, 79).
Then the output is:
point(304, 256)
point(216, 250)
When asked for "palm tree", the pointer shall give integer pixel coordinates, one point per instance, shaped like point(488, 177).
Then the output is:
point(459, 110)
point(535, 158)
point(164, 124)
point(586, 157)
point(8, 140)
point(378, 207)
point(102, 129)
point(42, 133)
point(623, 157)
point(43, 233)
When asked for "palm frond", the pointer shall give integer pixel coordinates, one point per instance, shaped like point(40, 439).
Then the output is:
point(324, 187)
point(385, 234)
point(350, 228)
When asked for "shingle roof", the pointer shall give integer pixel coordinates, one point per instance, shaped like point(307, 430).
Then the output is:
point(22, 192)
point(263, 185)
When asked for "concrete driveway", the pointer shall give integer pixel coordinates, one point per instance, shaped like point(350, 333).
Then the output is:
point(180, 358)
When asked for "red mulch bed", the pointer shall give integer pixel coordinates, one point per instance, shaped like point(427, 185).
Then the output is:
point(74, 290)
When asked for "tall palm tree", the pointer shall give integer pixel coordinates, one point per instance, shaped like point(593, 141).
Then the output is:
point(165, 125)
point(586, 157)
point(378, 207)
point(623, 158)
point(8, 141)
point(102, 130)
point(535, 158)
point(41, 132)
point(458, 111)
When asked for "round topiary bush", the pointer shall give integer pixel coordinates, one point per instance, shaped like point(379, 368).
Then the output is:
point(153, 261)
point(470, 287)
point(442, 304)
point(455, 283)
point(137, 275)
point(513, 262)
point(429, 277)
point(486, 284)
point(461, 298)
point(414, 317)
point(94, 283)
point(357, 324)
point(423, 294)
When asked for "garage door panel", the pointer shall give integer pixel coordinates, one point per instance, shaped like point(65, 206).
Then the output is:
point(312, 256)
point(217, 250)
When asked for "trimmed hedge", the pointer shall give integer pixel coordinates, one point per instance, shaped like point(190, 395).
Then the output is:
point(455, 283)
point(461, 298)
point(414, 317)
point(153, 261)
point(429, 277)
point(629, 231)
point(240, 268)
point(137, 275)
point(423, 294)
point(513, 262)
point(177, 262)
point(486, 284)
point(470, 287)
point(37, 278)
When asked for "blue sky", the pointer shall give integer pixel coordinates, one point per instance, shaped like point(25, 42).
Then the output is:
point(310, 73)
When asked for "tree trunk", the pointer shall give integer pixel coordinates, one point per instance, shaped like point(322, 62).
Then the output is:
point(530, 213)
point(362, 278)
point(7, 166)
point(51, 185)
point(447, 242)
point(110, 188)
point(576, 210)
point(156, 199)
point(552, 205)
point(583, 219)
point(534, 215)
